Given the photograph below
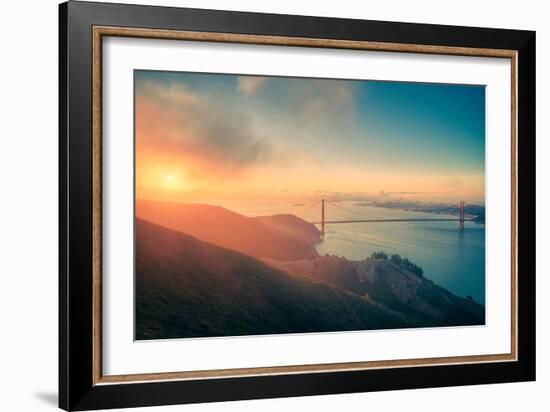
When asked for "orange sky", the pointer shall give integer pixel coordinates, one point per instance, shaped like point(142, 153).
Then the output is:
point(192, 145)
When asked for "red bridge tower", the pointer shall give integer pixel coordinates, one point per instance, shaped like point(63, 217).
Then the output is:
point(322, 218)
point(461, 215)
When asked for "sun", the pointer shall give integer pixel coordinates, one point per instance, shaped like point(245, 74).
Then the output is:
point(173, 182)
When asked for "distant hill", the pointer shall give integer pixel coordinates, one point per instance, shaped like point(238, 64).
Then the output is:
point(477, 212)
point(281, 237)
point(186, 287)
point(391, 285)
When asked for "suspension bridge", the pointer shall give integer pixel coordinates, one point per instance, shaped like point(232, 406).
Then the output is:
point(360, 218)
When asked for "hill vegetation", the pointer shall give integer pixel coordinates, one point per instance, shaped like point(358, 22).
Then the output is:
point(394, 283)
point(281, 237)
point(206, 271)
point(189, 288)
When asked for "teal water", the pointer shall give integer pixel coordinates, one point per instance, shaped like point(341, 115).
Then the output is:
point(452, 259)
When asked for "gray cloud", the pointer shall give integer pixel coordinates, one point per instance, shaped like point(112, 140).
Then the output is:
point(250, 85)
point(175, 120)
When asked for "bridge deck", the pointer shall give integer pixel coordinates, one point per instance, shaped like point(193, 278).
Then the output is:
point(392, 220)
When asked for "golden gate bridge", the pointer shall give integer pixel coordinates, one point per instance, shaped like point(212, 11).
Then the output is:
point(364, 219)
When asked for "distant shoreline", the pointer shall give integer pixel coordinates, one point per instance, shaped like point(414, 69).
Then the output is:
point(474, 211)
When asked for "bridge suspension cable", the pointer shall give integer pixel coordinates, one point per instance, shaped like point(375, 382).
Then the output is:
point(367, 219)
point(349, 210)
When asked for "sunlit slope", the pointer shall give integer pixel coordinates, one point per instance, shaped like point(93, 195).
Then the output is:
point(281, 237)
point(189, 288)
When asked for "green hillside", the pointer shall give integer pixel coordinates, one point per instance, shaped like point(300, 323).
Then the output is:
point(391, 283)
point(189, 288)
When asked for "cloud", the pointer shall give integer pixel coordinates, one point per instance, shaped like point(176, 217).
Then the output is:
point(250, 85)
point(215, 135)
point(315, 109)
point(327, 101)
point(208, 135)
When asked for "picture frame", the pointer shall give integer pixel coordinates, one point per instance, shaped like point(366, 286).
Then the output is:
point(84, 26)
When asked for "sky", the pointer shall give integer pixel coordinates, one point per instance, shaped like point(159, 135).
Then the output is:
point(211, 136)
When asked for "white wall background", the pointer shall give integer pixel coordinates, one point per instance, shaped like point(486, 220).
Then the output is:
point(28, 206)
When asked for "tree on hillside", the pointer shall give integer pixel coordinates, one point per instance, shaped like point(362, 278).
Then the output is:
point(379, 255)
point(407, 264)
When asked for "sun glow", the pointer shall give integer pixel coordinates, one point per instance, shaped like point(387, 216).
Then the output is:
point(173, 182)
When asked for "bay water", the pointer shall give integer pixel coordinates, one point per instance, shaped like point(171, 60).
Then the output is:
point(451, 258)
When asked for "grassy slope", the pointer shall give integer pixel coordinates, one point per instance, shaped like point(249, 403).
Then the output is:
point(186, 287)
point(399, 289)
point(281, 237)
point(391, 285)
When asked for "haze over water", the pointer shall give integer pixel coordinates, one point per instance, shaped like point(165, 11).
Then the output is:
point(450, 258)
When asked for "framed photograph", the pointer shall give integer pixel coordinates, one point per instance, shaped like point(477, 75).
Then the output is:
point(257, 205)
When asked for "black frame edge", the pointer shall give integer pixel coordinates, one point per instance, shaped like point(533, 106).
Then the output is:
point(76, 389)
point(76, 272)
point(63, 379)
point(526, 86)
